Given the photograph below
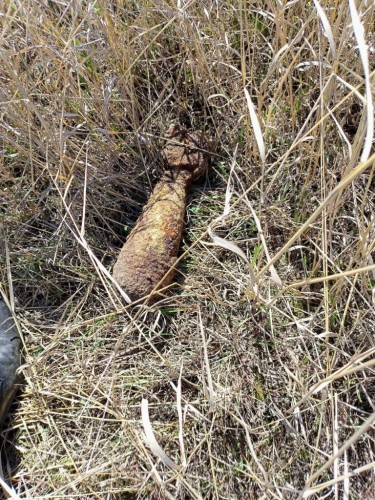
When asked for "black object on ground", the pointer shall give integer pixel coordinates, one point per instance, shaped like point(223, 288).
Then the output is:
point(10, 358)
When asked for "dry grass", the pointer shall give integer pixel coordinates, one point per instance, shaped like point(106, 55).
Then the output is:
point(266, 394)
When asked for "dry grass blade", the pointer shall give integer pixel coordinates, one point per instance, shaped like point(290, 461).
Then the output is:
point(79, 236)
point(361, 430)
point(362, 46)
point(151, 439)
point(181, 420)
point(222, 242)
point(274, 276)
point(327, 27)
point(8, 491)
point(332, 277)
point(256, 126)
point(227, 245)
point(208, 388)
point(354, 365)
point(333, 482)
point(357, 171)
point(335, 443)
point(346, 482)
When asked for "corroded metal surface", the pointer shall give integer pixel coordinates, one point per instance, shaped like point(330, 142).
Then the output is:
point(146, 260)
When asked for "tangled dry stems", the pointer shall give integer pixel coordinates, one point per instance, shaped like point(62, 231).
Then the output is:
point(87, 89)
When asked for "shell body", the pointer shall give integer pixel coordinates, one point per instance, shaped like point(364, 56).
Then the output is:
point(152, 246)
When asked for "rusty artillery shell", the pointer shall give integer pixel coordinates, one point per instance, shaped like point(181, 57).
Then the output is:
point(146, 260)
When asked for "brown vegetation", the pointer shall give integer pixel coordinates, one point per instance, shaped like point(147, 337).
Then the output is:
point(254, 384)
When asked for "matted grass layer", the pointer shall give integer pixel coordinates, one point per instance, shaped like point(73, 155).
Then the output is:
point(252, 393)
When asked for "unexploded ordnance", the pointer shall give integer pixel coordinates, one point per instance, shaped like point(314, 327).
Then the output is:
point(10, 358)
point(146, 259)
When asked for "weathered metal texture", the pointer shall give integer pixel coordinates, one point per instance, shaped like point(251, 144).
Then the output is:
point(146, 260)
point(10, 358)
